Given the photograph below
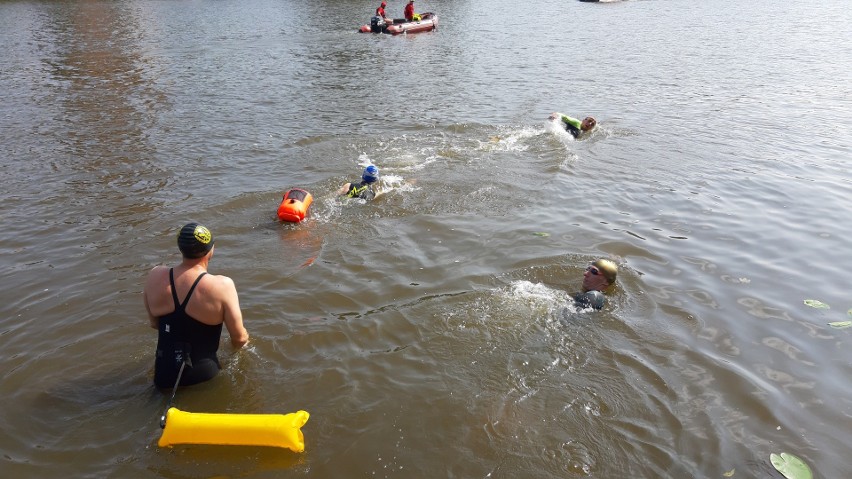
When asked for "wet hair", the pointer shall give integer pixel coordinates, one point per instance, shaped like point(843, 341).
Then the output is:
point(591, 120)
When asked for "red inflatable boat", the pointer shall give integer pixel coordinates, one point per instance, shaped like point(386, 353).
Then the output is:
point(294, 206)
point(428, 22)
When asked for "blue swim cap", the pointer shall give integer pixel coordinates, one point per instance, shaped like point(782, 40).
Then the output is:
point(371, 174)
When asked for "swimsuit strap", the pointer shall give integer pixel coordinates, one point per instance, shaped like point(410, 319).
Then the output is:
point(178, 305)
point(186, 300)
point(174, 290)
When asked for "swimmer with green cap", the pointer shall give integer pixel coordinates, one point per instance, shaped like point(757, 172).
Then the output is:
point(597, 278)
point(188, 307)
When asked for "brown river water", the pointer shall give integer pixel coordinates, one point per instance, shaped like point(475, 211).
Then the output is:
point(430, 332)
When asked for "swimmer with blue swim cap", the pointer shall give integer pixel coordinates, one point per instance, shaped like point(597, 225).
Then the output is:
point(597, 277)
point(363, 189)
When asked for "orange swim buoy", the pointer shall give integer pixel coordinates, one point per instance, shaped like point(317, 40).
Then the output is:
point(294, 206)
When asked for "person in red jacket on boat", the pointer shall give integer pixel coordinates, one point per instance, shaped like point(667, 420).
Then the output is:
point(380, 12)
point(410, 16)
point(379, 22)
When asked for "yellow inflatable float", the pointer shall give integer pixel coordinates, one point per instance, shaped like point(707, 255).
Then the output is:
point(274, 430)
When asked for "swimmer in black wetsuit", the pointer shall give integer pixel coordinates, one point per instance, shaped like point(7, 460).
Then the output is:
point(573, 125)
point(364, 189)
point(190, 331)
point(599, 276)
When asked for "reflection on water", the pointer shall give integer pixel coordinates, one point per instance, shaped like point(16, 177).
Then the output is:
point(431, 331)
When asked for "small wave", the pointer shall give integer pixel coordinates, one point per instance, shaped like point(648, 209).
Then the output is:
point(534, 292)
point(512, 140)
